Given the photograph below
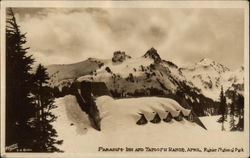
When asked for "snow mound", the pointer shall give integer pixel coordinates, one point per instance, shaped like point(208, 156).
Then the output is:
point(124, 113)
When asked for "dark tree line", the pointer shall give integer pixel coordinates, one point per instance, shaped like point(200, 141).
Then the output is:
point(199, 103)
point(236, 109)
point(28, 100)
point(233, 110)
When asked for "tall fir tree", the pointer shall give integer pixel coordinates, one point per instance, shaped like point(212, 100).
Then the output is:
point(46, 134)
point(240, 103)
point(28, 100)
point(222, 108)
point(19, 101)
point(232, 111)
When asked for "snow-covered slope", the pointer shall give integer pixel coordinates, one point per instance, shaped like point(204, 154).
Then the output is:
point(235, 80)
point(149, 75)
point(209, 76)
point(119, 128)
point(135, 75)
point(61, 74)
point(126, 76)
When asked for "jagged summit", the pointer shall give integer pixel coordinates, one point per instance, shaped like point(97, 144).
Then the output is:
point(152, 53)
point(206, 62)
point(120, 56)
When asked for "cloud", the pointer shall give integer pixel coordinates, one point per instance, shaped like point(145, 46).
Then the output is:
point(184, 36)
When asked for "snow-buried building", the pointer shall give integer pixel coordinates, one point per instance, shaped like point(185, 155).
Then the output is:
point(86, 93)
point(95, 99)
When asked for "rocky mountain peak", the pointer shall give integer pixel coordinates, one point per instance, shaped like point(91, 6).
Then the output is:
point(120, 56)
point(206, 62)
point(152, 53)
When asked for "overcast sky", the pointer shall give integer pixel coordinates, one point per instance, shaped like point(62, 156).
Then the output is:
point(184, 36)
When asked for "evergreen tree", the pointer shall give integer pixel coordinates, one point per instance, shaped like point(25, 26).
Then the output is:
point(232, 111)
point(46, 135)
point(28, 100)
point(222, 108)
point(240, 104)
point(19, 101)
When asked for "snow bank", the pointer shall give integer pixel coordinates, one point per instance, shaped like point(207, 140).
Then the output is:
point(119, 128)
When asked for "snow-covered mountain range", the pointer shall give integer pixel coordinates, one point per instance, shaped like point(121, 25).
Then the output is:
point(151, 75)
point(209, 76)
